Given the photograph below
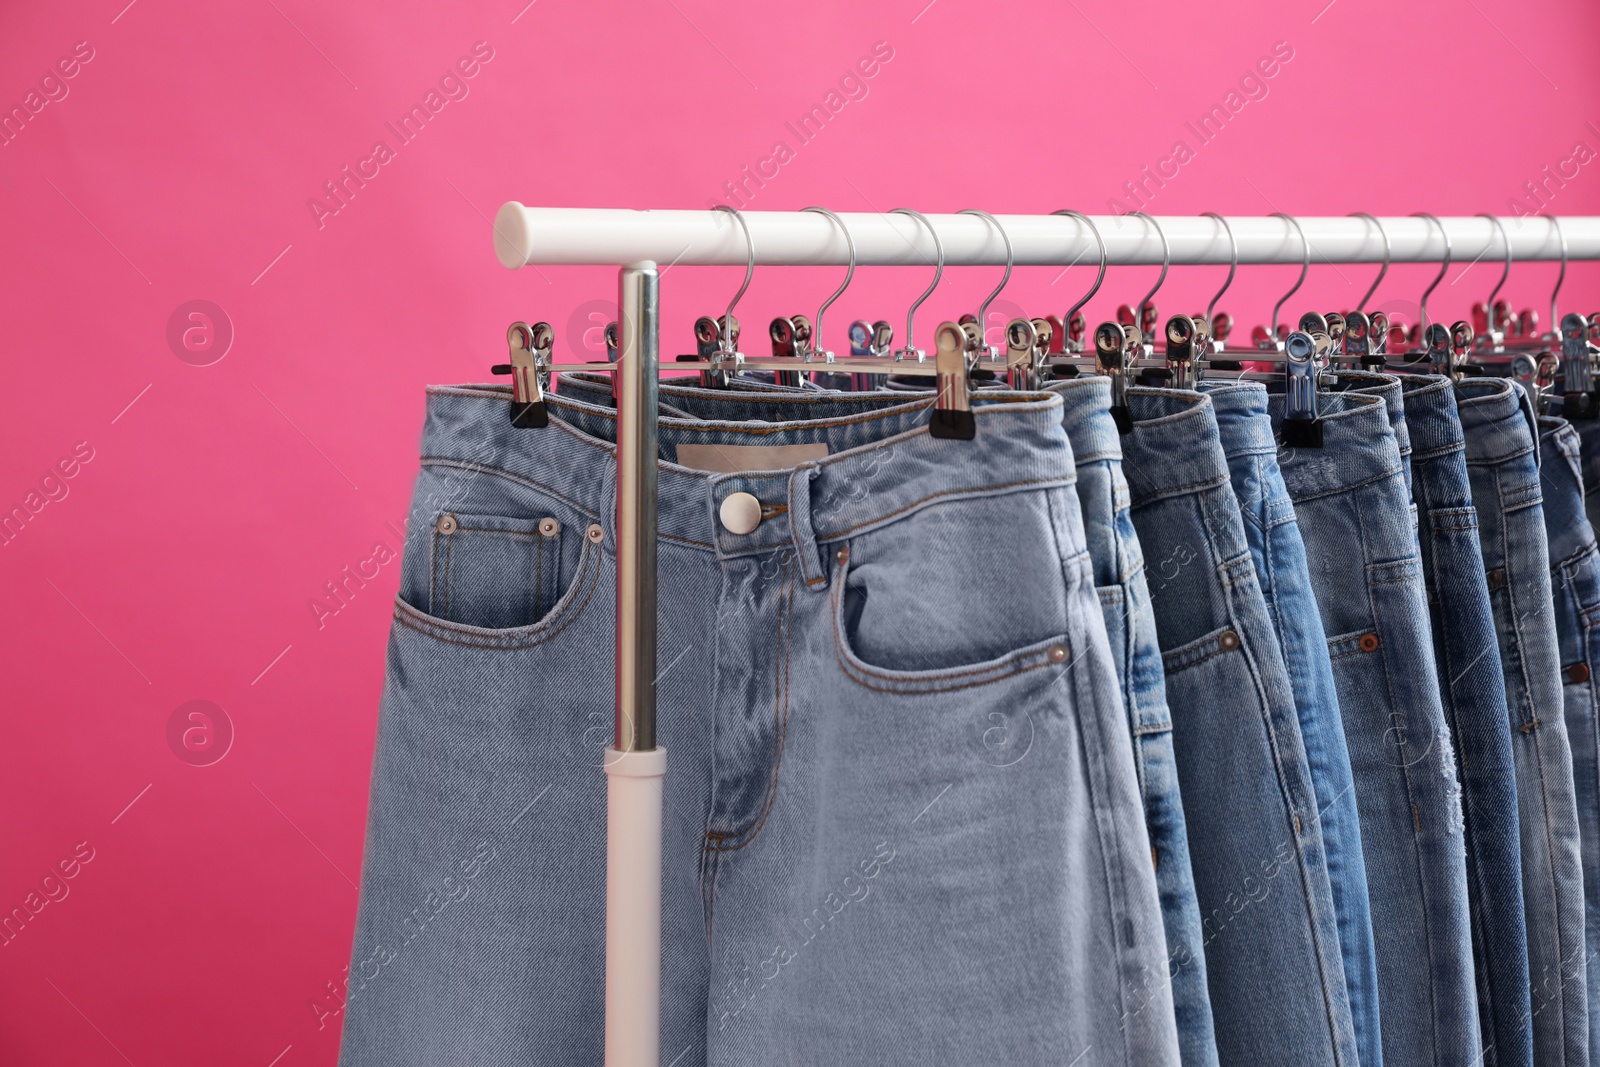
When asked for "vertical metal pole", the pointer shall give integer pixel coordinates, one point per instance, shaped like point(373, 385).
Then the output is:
point(639, 304)
point(636, 766)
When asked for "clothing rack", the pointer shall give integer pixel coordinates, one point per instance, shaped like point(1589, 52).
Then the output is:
point(638, 240)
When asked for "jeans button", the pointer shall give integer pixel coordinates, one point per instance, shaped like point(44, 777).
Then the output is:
point(740, 513)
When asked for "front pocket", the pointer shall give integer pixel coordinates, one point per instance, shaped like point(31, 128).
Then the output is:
point(1053, 652)
point(497, 572)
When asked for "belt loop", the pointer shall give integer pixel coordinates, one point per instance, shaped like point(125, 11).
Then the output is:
point(1525, 402)
point(805, 542)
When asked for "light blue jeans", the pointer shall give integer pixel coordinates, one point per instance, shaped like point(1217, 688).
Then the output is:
point(1120, 578)
point(1361, 545)
point(1278, 992)
point(903, 823)
point(1503, 465)
point(1279, 554)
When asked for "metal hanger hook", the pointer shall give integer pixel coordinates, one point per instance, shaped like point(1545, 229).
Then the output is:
point(1305, 268)
point(983, 309)
point(1233, 266)
point(1166, 261)
point(816, 339)
point(1444, 268)
point(1555, 323)
point(1099, 240)
point(726, 339)
point(938, 271)
point(1388, 252)
point(1505, 240)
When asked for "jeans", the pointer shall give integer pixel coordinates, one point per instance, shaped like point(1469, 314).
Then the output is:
point(902, 821)
point(1277, 982)
point(1279, 555)
point(1575, 577)
point(1355, 516)
point(1503, 465)
point(1468, 659)
point(1120, 579)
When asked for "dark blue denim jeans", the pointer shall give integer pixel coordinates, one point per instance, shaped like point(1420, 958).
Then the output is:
point(1120, 579)
point(1503, 464)
point(1280, 561)
point(1470, 685)
point(1278, 992)
point(1355, 516)
point(1575, 578)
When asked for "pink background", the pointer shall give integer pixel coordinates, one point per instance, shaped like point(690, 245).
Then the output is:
point(180, 561)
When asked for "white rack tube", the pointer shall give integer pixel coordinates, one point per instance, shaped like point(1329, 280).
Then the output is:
point(525, 235)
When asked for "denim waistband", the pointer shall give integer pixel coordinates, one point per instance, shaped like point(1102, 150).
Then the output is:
point(1087, 417)
point(1431, 417)
point(1181, 426)
point(1241, 409)
point(882, 465)
point(1495, 419)
point(1386, 386)
point(1358, 445)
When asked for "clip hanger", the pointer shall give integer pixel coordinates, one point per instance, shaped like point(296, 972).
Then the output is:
point(529, 368)
point(1301, 428)
point(952, 413)
point(1114, 346)
point(717, 340)
point(1182, 336)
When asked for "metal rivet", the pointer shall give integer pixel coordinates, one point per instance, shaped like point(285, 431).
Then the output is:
point(446, 524)
point(740, 513)
point(549, 527)
point(1228, 641)
point(1058, 653)
point(843, 555)
point(595, 533)
point(1369, 642)
point(1578, 672)
point(1497, 578)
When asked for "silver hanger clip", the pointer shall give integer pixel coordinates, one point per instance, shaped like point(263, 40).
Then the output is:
point(530, 369)
point(1436, 348)
point(612, 344)
point(1115, 346)
point(1301, 428)
point(785, 339)
point(1577, 370)
point(952, 412)
point(1461, 340)
point(1022, 354)
point(1182, 335)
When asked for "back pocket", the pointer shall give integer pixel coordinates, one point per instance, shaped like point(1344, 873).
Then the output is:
point(499, 572)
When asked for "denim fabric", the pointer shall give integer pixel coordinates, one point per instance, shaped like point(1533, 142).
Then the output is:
point(1355, 516)
point(1468, 658)
point(1119, 568)
point(1387, 387)
point(1502, 463)
point(902, 820)
point(1279, 555)
point(1575, 577)
point(1272, 945)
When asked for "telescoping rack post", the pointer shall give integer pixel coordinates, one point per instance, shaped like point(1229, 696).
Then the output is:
point(637, 240)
